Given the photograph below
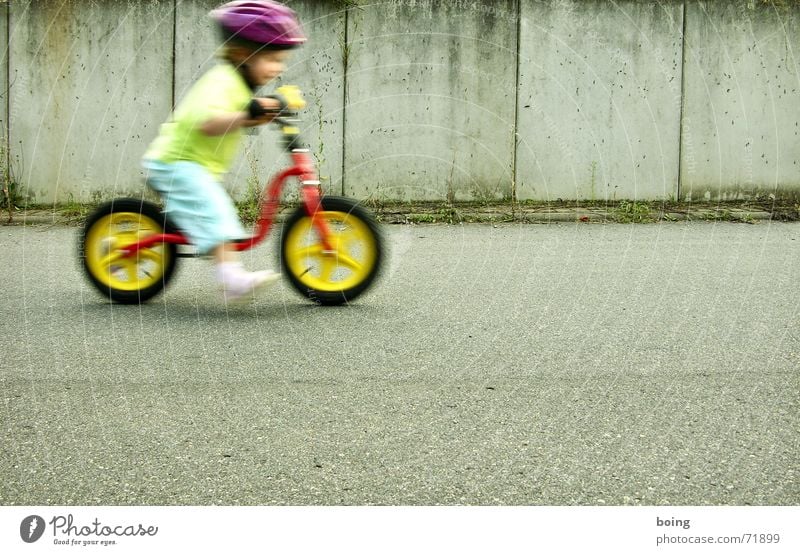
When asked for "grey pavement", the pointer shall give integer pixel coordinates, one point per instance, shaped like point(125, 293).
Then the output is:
point(508, 364)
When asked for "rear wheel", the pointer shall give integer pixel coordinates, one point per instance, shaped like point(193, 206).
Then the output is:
point(114, 225)
point(339, 276)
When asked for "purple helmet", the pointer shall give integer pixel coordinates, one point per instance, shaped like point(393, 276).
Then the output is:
point(262, 24)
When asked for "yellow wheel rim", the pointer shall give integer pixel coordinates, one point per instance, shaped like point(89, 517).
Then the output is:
point(350, 262)
point(106, 262)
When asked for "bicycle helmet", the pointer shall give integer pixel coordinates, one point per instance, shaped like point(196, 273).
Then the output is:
point(262, 25)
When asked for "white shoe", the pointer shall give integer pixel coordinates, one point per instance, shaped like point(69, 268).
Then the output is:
point(246, 284)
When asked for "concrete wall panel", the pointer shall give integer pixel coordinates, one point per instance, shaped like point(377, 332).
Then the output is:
point(430, 99)
point(741, 135)
point(316, 67)
point(599, 109)
point(87, 91)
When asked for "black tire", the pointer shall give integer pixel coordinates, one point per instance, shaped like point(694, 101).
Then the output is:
point(348, 220)
point(125, 221)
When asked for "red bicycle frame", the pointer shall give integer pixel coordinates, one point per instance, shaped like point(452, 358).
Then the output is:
point(304, 169)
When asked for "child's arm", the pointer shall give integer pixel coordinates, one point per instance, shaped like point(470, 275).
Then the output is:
point(225, 123)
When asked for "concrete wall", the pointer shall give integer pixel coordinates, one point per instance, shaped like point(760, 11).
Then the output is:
point(87, 90)
point(431, 93)
point(741, 125)
point(433, 99)
point(599, 105)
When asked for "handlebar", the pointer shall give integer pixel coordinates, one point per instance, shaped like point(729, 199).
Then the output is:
point(290, 99)
point(291, 133)
point(284, 121)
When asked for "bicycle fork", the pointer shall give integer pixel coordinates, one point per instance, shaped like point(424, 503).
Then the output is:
point(312, 199)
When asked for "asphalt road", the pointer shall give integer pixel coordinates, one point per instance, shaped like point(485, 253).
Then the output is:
point(520, 364)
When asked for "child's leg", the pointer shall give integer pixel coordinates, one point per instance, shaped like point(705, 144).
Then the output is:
point(196, 203)
point(199, 206)
point(225, 253)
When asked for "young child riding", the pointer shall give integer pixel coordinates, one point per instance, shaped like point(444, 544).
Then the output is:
point(196, 147)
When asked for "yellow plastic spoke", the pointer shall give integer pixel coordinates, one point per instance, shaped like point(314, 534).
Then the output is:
point(131, 268)
point(149, 254)
point(347, 260)
point(313, 250)
point(110, 258)
point(326, 269)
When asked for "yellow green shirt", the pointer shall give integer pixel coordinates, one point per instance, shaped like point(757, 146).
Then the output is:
point(221, 90)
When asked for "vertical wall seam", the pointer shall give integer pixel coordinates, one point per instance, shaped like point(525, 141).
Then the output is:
point(8, 88)
point(174, 50)
point(514, 191)
point(346, 58)
point(683, 101)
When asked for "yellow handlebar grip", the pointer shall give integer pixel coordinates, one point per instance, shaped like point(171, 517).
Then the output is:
point(293, 96)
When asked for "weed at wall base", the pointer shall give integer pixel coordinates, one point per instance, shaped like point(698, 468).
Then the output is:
point(631, 212)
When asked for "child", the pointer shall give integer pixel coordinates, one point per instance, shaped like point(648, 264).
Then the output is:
point(197, 145)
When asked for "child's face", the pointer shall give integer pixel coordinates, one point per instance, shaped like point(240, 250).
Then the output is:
point(267, 65)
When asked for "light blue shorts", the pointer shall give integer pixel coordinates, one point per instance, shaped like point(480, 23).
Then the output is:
point(195, 202)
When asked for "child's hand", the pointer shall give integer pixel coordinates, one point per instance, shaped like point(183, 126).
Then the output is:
point(261, 111)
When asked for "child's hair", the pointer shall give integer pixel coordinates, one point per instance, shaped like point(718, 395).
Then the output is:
point(236, 49)
point(233, 53)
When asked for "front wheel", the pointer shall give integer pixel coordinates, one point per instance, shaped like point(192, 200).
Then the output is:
point(114, 225)
point(344, 273)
